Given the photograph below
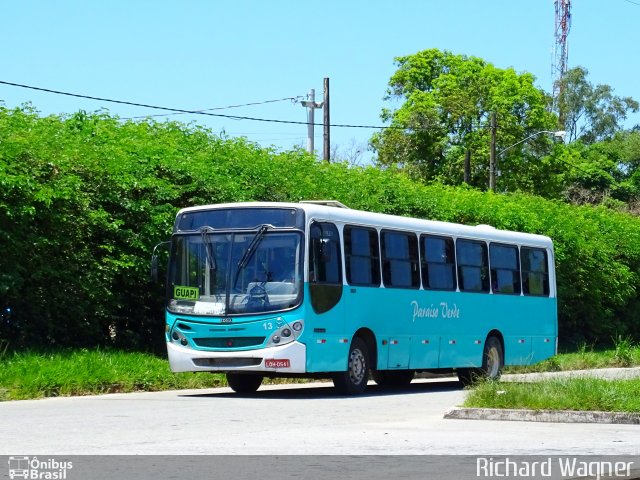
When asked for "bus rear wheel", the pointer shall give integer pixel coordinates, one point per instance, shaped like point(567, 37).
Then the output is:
point(354, 380)
point(492, 359)
point(244, 382)
point(492, 363)
point(386, 378)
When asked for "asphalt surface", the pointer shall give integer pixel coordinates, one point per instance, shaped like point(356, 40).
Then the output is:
point(304, 431)
point(303, 419)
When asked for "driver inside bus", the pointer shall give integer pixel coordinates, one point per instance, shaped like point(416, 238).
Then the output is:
point(282, 268)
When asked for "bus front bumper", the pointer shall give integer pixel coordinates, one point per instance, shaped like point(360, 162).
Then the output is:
point(289, 358)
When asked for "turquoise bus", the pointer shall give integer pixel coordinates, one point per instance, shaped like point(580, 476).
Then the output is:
point(315, 289)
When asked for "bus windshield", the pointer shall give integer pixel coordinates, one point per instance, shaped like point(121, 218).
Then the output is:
point(245, 272)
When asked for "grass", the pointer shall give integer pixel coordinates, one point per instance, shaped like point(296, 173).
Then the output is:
point(29, 375)
point(625, 353)
point(569, 393)
point(86, 372)
point(25, 375)
point(559, 394)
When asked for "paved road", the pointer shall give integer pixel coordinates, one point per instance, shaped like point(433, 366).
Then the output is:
point(292, 419)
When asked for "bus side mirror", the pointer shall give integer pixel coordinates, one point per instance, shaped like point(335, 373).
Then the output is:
point(326, 252)
point(153, 273)
point(153, 277)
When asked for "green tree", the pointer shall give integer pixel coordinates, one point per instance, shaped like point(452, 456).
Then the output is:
point(446, 100)
point(591, 113)
point(85, 197)
point(604, 170)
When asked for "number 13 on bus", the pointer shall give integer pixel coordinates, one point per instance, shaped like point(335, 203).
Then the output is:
point(315, 289)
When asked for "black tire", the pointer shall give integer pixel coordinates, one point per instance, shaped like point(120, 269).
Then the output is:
point(354, 380)
point(387, 378)
point(244, 382)
point(492, 363)
point(492, 359)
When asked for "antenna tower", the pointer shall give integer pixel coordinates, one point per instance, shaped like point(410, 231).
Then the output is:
point(560, 53)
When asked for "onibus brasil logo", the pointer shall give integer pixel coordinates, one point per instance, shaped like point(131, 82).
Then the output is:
point(32, 468)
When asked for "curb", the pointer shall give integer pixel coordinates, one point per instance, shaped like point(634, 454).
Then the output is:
point(551, 416)
point(625, 373)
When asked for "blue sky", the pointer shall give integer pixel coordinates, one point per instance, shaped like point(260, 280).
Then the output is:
point(198, 54)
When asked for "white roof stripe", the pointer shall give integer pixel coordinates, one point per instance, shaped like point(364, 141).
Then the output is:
point(381, 220)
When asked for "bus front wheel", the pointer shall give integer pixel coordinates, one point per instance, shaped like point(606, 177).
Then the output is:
point(244, 382)
point(354, 380)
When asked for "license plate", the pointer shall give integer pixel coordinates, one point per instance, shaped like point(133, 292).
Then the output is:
point(277, 363)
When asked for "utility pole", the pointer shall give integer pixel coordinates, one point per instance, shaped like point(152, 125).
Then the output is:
point(467, 167)
point(311, 105)
point(492, 154)
point(327, 135)
point(311, 120)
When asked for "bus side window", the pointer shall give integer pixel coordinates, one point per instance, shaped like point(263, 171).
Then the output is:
point(473, 273)
point(438, 263)
point(505, 269)
point(400, 259)
point(325, 266)
point(362, 256)
point(535, 271)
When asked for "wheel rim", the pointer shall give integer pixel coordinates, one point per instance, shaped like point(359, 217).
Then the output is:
point(493, 363)
point(357, 366)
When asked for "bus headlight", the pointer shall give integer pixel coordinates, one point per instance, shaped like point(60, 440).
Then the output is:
point(178, 337)
point(286, 334)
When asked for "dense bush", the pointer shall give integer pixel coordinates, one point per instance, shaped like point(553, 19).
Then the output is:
point(84, 198)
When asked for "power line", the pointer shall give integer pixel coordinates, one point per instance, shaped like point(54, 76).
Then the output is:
point(206, 112)
point(180, 110)
point(632, 2)
point(293, 100)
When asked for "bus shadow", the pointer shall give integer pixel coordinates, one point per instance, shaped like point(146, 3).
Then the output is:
point(326, 390)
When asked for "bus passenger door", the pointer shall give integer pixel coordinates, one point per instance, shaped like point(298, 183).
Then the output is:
point(328, 348)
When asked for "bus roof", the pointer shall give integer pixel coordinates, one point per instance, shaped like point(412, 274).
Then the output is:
point(331, 210)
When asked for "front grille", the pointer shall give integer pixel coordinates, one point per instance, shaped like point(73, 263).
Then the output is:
point(227, 362)
point(229, 342)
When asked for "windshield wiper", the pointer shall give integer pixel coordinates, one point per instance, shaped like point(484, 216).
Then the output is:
point(248, 253)
point(255, 241)
point(206, 241)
